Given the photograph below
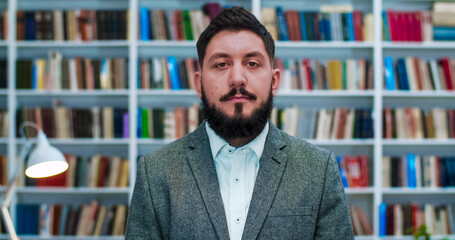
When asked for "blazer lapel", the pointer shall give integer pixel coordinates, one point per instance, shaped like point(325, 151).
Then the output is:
point(271, 169)
point(203, 167)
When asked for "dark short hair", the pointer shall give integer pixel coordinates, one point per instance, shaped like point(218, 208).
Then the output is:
point(234, 19)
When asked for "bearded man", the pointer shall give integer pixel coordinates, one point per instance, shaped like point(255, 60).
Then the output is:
point(237, 176)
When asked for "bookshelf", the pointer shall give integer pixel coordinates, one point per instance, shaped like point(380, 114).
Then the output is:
point(133, 98)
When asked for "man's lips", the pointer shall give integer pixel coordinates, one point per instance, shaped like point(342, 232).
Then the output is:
point(238, 98)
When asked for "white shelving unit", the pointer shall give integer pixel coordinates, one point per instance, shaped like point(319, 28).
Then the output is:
point(368, 199)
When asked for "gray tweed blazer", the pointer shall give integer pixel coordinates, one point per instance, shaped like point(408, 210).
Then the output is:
point(298, 193)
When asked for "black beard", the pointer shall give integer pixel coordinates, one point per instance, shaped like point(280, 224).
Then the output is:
point(237, 126)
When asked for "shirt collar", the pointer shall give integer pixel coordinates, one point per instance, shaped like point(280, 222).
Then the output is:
point(217, 142)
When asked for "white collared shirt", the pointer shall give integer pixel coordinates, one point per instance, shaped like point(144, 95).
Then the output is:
point(237, 169)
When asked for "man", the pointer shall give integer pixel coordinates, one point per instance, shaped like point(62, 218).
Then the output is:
point(237, 176)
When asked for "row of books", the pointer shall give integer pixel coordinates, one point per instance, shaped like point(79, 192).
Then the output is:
point(306, 74)
point(416, 123)
point(167, 73)
point(57, 73)
point(331, 23)
point(4, 122)
point(3, 73)
point(413, 73)
point(178, 24)
point(90, 219)
point(322, 124)
point(3, 170)
point(65, 122)
point(416, 171)
point(93, 172)
point(72, 25)
point(400, 25)
point(360, 222)
point(354, 171)
point(405, 219)
point(161, 123)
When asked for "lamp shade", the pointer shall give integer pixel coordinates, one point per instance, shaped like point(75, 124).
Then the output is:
point(45, 160)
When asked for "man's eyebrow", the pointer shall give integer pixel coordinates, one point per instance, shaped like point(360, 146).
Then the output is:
point(218, 55)
point(254, 54)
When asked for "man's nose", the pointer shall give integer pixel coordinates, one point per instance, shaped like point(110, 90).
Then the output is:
point(237, 76)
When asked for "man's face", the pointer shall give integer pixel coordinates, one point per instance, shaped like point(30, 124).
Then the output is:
point(237, 75)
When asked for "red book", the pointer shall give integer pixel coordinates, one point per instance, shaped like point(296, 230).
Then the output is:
point(407, 26)
point(358, 23)
point(103, 170)
point(401, 26)
point(417, 30)
point(415, 209)
point(392, 21)
point(309, 76)
point(451, 123)
point(290, 25)
point(364, 171)
point(83, 19)
point(445, 63)
point(354, 168)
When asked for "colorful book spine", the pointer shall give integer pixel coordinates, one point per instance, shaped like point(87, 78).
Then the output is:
point(389, 73)
point(411, 168)
point(144, 23)
point(174, 72)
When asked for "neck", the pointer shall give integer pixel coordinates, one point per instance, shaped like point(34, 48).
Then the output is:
point(240, 142)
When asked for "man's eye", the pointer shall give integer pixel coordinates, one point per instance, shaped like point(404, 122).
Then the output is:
point(252, 64)
point(221, 64)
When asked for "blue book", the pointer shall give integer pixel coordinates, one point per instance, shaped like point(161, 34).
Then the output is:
point(173, 72)
point(402, 74)
point(282, 26)
point(30, 28)
point(411, 164)
point(385, 26)
point(322, 26)
point(328, 27)
point(342, 172)
point(144, 23)
point(350, 26)
point(382, 220)
point(139, 123)
point(303, 26)
point(65, 210)
point(27, 220)
point(389, 73)
point(444, 33)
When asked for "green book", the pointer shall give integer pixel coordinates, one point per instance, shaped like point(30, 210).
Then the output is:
point(145, 123)
point(187, 25)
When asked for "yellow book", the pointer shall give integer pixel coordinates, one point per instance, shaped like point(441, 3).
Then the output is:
point(40, 73)
point(335, 74)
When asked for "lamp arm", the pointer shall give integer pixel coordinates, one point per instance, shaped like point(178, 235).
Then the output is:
point(8, 195)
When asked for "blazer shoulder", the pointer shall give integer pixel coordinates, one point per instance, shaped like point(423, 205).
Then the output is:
point(298, 146)
point(178, 148)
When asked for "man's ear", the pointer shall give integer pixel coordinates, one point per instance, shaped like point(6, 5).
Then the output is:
point(198, 83)
point(276, 79)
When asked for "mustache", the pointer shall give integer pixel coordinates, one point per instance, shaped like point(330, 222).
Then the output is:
point(234, 91)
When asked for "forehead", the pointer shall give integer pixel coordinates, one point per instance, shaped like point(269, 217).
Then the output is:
point(235, 43)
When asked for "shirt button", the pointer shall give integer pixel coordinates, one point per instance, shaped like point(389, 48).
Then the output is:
point(230, 150)
point(237, 220)
point(237, 180)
